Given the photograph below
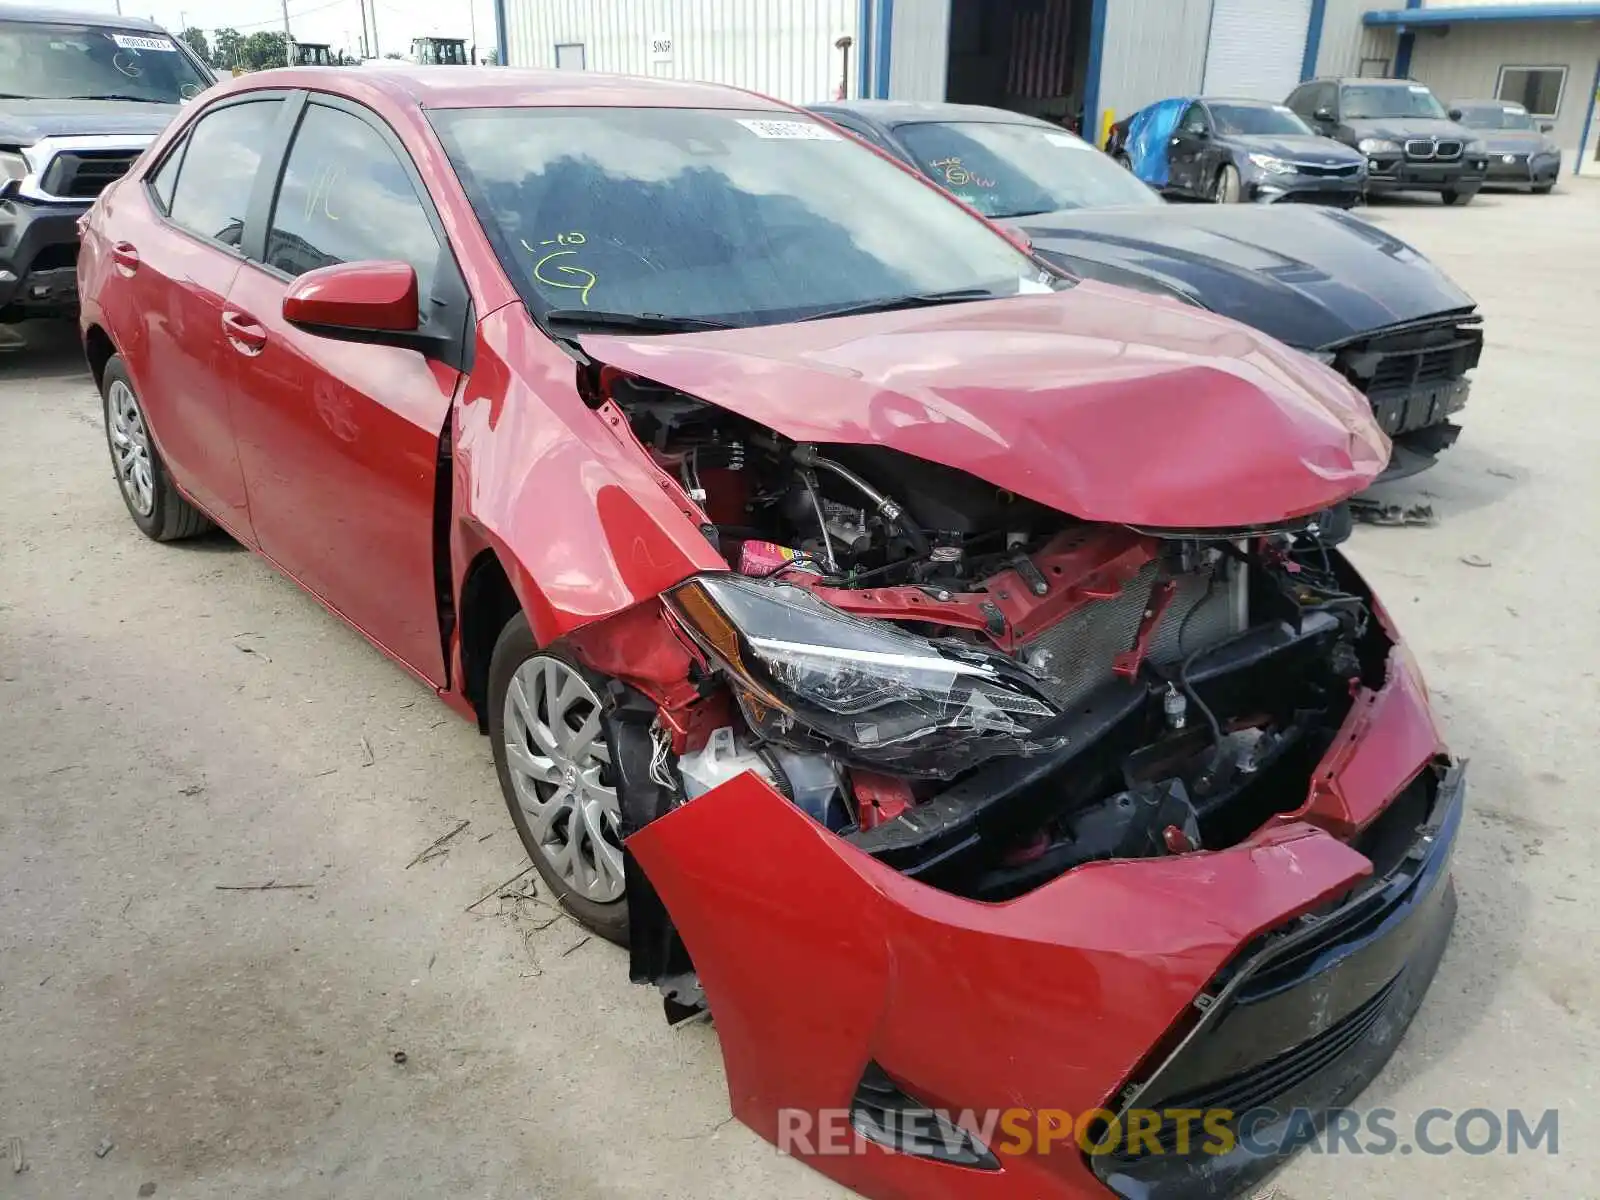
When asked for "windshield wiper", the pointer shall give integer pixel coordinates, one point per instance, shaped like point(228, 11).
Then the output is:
point(118, 96)
point(891, 303)
point(630, 322)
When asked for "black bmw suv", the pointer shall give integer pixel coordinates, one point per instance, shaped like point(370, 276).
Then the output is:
point(1411, 143)
point(83, 94)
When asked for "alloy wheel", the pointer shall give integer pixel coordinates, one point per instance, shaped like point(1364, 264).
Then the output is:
point(560, 767)
point(130, 448)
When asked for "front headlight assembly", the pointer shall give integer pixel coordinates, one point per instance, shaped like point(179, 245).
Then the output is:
point(13, 169)
point(1378, 146)
point(1272, 166)
point(804, 672)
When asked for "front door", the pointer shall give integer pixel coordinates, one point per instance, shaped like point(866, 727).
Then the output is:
point(1186, 150)
point(340, 441)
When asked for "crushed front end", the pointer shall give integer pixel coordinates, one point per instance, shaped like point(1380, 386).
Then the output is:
point(942, 798)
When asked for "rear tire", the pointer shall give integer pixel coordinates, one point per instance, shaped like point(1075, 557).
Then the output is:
point(554, 761)
point(1227, 189)
point(1451, 196)
point(157, 507)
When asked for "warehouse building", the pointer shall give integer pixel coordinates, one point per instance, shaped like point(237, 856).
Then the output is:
point(1084, 62)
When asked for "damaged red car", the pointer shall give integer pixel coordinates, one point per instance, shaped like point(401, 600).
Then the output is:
point(940, 669)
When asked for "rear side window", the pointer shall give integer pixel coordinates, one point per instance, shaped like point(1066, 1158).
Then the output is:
point(219, 170)
point(346, 197)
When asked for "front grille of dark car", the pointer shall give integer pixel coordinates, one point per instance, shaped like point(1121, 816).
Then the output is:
point(1433, 149)
point(84, 174)
point(1342, 171)
point(1414, 356)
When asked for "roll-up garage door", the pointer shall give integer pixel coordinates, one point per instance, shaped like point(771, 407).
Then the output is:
point(1256, 47)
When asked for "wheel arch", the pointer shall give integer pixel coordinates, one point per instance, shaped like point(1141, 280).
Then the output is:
point(98, 350)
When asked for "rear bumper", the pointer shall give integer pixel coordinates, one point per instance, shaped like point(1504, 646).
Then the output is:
point(38, 258)
point(1352, 978)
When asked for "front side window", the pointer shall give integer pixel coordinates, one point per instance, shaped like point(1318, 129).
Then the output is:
point(1537, 89)
point(739, 217)
point(1368, 100)
point(88, 62)
point(345, 197)
point(1012, 170)
point(219, 169)
point(1247, 120)
point(1194, 119)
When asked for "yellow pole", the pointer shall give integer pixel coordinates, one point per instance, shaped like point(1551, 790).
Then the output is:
point(1107, 119)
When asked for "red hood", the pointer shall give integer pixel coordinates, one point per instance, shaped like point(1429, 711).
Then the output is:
point(1097, 401)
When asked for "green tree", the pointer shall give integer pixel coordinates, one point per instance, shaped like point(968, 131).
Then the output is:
point(264, 49)
point(197, 42)
point(230, 47)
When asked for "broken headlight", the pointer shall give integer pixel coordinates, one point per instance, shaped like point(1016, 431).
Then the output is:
point(803, 670)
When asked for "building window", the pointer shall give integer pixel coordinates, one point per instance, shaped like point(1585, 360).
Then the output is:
point(1537, 89)
point(569, 56)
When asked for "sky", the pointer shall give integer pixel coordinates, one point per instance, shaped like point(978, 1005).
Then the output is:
point(337, 22)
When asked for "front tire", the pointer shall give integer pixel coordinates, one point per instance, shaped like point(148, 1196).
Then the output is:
point(1451, 196)
point(1542, 189)
point(1228, 187)
point(554, 761)
point(154, 502)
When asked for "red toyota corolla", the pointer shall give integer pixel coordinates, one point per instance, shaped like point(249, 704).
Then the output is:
point(936, 667)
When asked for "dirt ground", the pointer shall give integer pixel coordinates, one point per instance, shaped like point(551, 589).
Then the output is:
point(176, 721)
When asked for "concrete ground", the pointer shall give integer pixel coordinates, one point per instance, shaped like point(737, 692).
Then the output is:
point(176, 721)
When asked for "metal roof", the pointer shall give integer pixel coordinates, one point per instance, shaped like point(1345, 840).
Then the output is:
point(1410, 17)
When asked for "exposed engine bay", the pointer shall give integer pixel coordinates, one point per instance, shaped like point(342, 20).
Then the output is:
point(978, 690)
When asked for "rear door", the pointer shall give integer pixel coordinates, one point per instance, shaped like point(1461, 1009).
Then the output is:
point(176, 258)
point(340, 441)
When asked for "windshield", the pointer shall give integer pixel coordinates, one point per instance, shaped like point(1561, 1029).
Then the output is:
point(736, 217)
point(1496, 116)
point(68, 62)
point(1412, 100)
point(1248, 119)
point(1013, 170)
point(432, 53)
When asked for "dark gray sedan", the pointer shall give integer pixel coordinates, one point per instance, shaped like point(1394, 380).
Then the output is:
point(1520, 153)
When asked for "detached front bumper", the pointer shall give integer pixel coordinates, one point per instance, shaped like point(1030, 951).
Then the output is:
point(38, 258)
point(829, 974)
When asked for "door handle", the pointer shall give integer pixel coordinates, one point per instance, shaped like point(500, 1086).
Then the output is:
point(126, 257)
point(244, 331)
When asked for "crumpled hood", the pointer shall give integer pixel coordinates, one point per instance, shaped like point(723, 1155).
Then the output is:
point(23, 122)
point(1308, 276)
point(1400, 128)
point(1099, 402)
point(1298, 147)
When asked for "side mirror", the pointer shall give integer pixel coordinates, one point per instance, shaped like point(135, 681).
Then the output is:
point(1546, 126)
point(1454, 114)
point(1324, 115)
point(358, 302)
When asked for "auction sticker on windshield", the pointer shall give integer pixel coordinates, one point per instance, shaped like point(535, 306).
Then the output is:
point(804, 131)
point(129, 41)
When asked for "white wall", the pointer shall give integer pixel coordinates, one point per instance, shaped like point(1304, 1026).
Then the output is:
point(919, 49)
point(781, 48)
point(1153, 49)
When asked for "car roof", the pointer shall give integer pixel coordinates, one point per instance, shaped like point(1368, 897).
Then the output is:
point(1490, 103)
point(73, 16)
point(890, 113)
point(506, 87)
point(1241, 101)
point(1371, 80)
